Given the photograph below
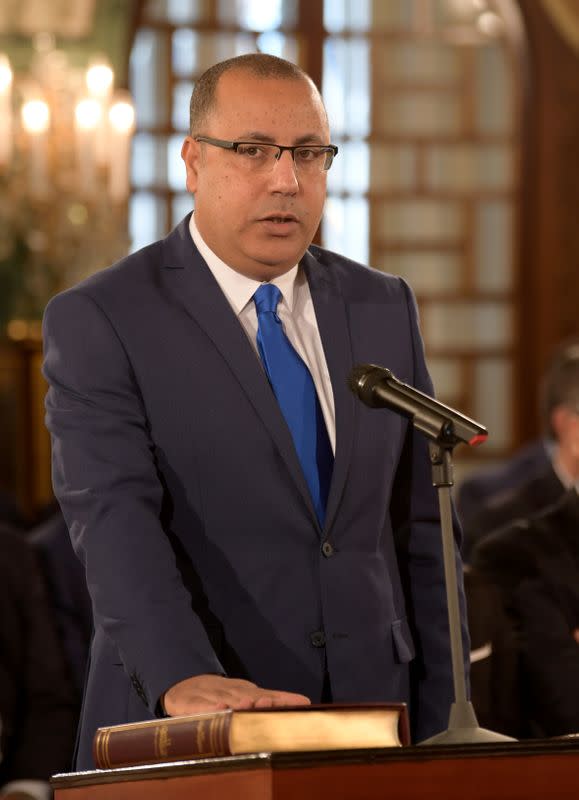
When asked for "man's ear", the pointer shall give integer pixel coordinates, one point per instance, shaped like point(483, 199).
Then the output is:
point(564, 421)
point(559, 417)
point(565, 424)
point(191, 155)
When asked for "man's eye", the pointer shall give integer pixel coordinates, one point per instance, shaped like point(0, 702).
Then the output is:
point(308, 154)
point(251, 151)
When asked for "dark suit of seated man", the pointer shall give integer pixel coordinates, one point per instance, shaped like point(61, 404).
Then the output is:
point(535, 564)
point(38, 708)
point(67, 591)
point(229, 564)
point(493, 486)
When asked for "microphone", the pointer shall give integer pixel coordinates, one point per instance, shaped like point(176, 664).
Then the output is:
point(377, 387)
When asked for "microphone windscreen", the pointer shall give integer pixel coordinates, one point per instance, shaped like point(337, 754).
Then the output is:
point(364, 378)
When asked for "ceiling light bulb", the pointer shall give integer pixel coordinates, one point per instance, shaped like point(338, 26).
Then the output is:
point(88, 114)
point(6, 74)
point(35, 116)
point(99, 79)
point(490, 23)
point(122, 116)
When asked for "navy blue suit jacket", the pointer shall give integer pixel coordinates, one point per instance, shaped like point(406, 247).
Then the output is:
point(185, 499)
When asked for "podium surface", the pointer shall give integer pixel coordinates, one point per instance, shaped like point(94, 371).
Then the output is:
point(514, 771)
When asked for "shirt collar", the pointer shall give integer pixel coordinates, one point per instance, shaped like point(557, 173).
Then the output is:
point(238, 288)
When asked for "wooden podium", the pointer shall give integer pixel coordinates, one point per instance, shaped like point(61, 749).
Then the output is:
point(532, 770)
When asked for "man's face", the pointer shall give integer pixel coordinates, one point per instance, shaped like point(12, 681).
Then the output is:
point(237, 212)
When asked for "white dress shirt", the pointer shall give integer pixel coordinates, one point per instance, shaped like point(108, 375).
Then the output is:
point(295, 310)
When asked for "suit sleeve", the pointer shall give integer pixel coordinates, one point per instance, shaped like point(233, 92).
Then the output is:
point(550, 657)
point(106, 480)
point(416, 524)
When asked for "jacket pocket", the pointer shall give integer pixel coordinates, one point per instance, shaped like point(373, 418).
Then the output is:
point(402, 640)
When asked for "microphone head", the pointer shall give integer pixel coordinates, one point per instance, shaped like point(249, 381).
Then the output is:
point(364, 378)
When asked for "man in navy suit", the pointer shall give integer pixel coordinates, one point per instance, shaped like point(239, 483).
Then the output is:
point(214, 580)
point(538, 475)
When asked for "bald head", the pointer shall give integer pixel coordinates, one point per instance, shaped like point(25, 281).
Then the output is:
point(258, 65)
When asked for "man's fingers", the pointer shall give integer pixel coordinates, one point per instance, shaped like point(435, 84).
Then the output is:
point(205, 693)
point(264, 701)
point(289, 699)
point(196, 705)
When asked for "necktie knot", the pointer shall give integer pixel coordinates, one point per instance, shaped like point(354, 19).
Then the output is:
point(266, 298)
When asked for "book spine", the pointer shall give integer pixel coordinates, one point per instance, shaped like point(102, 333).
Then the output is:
point(403, 727)
point(164, 740)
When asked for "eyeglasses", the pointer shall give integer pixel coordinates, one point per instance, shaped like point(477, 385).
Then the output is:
point(309, 159)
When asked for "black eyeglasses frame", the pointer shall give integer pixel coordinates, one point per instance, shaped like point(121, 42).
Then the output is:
point(227, 145)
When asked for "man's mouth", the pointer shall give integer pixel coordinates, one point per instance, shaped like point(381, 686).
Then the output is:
point(279, 218)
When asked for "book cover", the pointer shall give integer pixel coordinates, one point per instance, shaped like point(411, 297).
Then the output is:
point(232, 732)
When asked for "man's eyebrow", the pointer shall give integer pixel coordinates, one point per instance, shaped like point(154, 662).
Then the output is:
point(310, 138)
point(259, 136)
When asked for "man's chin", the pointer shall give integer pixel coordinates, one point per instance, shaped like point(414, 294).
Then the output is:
point(278, 258)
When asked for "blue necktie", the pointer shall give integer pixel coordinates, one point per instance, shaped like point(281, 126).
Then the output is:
point(296, 394)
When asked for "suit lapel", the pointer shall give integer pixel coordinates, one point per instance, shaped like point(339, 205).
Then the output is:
point(333, 325)
point(192, 284)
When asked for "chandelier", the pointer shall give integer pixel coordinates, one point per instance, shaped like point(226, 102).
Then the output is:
point(65, 141)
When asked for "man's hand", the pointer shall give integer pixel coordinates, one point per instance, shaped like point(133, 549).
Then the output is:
point(213, 693)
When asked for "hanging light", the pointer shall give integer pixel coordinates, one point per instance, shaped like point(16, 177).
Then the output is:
point(122, 123)
point(490, 24)
point(99, 78)
point(50, 91)
point(6, 78)
point(64, 183)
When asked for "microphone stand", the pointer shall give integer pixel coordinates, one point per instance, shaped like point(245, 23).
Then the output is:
point(444, 428)
point(463, 727)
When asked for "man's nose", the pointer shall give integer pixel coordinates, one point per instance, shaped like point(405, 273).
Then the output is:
point(284, 176)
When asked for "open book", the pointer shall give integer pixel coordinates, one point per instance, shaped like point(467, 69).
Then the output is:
point(229, 732)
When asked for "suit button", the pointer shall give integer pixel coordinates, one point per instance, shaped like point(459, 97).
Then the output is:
point(327, 549)
point(318, 638)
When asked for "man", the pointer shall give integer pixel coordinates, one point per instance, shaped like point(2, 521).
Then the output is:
point(38, 710)
point(232, 561)
point(534, 563)
point(541, 474)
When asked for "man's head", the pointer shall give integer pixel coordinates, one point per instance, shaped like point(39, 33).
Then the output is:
point(560, 398)
point(258, 210)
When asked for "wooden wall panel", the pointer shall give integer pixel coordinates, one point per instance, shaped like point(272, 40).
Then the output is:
point(549, 303)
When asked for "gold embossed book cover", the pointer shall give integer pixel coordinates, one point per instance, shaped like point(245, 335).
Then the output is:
point(230, 732)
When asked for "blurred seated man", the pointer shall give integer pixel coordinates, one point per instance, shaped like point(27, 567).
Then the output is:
point(535, 564)
point(493, 485)
point(67, 591)
point(38, 711)
point(494, 657)
point(539, 475)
